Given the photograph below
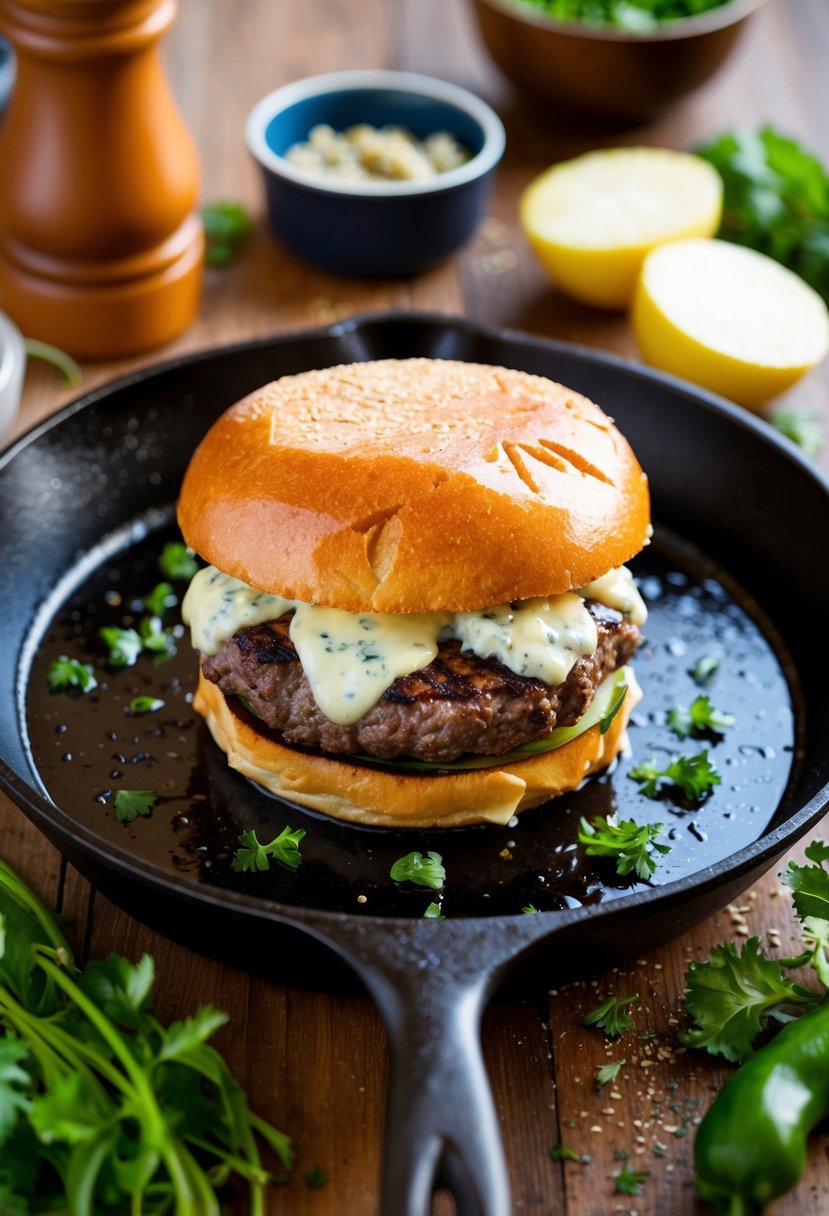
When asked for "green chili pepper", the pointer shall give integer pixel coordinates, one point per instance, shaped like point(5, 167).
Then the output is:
point(751, 1146)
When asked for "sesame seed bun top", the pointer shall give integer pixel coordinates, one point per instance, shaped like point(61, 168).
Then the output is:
point(414, 486)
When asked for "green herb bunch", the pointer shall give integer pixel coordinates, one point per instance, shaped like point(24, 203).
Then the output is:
point(776, 200)
point(633, 15)
point(735, 997)
point(104, 1111)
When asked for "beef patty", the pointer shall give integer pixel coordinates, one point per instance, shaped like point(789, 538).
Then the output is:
point(458, 704)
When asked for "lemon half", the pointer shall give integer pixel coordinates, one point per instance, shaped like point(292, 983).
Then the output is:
point(729, 319)
point(593, 220)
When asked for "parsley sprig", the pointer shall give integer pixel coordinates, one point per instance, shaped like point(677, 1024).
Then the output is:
point(612, 1015)
point(699, 718)
point(284, 848)
point(694, 776)
point(734, 997)
point(633, 846)
point(103, 1108)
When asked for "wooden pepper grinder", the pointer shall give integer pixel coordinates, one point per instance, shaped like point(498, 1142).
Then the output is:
point(100, 246)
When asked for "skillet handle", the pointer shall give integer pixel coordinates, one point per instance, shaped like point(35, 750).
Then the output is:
point(441, 1125)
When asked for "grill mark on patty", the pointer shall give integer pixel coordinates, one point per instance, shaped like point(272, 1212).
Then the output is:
point(458, 703)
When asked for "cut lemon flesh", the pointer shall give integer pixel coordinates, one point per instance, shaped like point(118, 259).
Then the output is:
point(593, 220)
point(729, 319)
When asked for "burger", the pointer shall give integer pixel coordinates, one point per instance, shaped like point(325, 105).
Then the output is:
point(416, 611)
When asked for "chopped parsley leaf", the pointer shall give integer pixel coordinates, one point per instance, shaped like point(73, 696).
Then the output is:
point(129, 804)
point(699, 718)
point(316, 1177)
point(607, 1073)
point(563, 1152)
point(630, 1182)
point(177, 561)
point(612, 1016)
point(154, 637)
point(70, 673)
point(631, 845)
point(425, 871)
point(145, 705)
point(160, 598)
point(694, 776)
point(124, 645)
point(284, 848)
point(704, 670)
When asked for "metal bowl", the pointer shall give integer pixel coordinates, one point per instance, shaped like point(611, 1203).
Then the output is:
point(604, 73)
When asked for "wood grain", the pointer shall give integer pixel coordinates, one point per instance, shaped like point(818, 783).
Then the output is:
point(315, 1063)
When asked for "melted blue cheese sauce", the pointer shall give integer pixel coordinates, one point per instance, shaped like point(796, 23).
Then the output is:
point(350, 659)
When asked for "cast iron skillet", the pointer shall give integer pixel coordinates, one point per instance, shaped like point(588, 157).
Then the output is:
point(719, 479)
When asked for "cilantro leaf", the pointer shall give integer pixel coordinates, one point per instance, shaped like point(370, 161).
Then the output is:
point(433, 912)
point(612, 1016)
point(608, 1072)
point(129, 804)
point(817, 850)
point(226, 225)
point(731, 995)
point(124, 645)
point(425, 871)
point(145, 705)
point(630, 1182)
point(70, 673)
point(694, 776)
point(704, 670)
point(563, 1152)
point(177, 561)
point(160, 598)
point(700, 717)
point(811, 888)
point(530, 910)
point(631, 846)
point(251, 855)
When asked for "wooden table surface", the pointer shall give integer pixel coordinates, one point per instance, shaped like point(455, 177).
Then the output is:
point(315, 1063)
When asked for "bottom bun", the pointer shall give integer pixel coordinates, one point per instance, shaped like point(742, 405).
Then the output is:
point(380, 798)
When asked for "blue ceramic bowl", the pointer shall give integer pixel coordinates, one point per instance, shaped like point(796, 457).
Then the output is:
point(374, 228)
